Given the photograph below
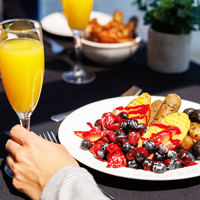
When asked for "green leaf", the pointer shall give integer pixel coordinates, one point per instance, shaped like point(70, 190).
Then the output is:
point(171, 16)
point(181, 13)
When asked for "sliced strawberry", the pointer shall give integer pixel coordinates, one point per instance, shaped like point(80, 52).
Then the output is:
point(161, 138)
point(93, 137)
point(82, 134)
point(97, 146)
point(116, 160)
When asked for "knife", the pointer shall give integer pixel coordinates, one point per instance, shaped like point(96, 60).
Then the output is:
point(61, 116)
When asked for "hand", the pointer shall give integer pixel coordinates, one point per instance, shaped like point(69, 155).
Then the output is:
point(34, 160)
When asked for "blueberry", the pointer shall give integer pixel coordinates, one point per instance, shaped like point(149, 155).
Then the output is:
point(172, 155)
point(95, 124)
point(132, 124)
point(171, 165)
point(159, 157)
point(149, 145)
point(132, 164)
point(158, 168)
point(118, 133)
point(177, 164)
point(140, 157)
point(142, 129)
point(126, 146)
point(132, 147)
point(85, 145)
point(121, 140)
point(98, 123)
point(124, 115)
point(124, 126)
point(123, 152)
point(147, 164)
point(162, 149)
point(103, 146)
point(101, 154)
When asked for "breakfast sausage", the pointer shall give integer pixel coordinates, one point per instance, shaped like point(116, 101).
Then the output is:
point(170, 105)
point(154, 109)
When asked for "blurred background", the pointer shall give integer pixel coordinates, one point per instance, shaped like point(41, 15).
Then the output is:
point(37, 9)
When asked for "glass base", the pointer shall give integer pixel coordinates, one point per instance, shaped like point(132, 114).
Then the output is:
point(8, 171)
point(81, 78)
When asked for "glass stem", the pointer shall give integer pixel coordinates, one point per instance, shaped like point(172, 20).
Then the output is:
point(24, 119)
point(77, 45)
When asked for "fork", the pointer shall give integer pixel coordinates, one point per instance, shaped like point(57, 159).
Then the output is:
point(133, 91)
point(55, 47)
point(51, 137)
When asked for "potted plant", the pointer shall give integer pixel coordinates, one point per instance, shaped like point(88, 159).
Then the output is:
point(171, 23)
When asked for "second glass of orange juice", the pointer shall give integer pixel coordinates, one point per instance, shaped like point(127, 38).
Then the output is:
point(77, 13)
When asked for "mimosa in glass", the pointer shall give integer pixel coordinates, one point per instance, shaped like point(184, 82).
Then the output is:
point(77, 13)
point(22, 66)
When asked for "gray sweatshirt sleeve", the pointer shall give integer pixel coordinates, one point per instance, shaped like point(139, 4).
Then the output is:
point(72, 183)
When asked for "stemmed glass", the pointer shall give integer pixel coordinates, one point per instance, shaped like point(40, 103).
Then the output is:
point(22, 66)
point(77, 13)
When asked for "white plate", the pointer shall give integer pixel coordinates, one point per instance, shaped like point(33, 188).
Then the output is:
point(56, 23)
point(77, 120)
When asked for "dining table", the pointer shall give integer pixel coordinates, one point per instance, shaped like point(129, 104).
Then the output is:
point(111, 81)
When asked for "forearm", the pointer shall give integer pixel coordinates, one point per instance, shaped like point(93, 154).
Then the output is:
point(72, 183)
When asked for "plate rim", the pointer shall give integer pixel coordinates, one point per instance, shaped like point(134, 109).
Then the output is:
point(47, 17)
point(115, 172)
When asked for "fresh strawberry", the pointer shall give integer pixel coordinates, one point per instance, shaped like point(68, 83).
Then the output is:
point(93, 137)
point(82, 134)
point(97, 146)
point(116, 160)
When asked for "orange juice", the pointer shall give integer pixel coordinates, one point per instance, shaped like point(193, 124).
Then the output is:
point(77, 13)
point(22, 72)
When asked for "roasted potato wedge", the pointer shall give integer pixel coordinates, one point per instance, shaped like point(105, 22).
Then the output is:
point(187, 143)
point(194, 131)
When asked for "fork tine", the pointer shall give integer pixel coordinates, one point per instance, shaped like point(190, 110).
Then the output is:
point(134, 90)
point(54, 137)
point(45, 137)
point(50, 137)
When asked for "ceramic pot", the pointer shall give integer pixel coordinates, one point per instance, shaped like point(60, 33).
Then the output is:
point(168, 53)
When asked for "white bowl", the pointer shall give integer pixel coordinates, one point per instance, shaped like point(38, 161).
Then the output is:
point(107, 53)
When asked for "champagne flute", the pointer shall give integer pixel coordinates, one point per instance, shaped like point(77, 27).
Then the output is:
point(22, 67)
point(77, 13)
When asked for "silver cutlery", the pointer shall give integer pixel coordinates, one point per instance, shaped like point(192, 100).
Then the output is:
point(55, 47)
point(133, 91)
point(51, 137)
